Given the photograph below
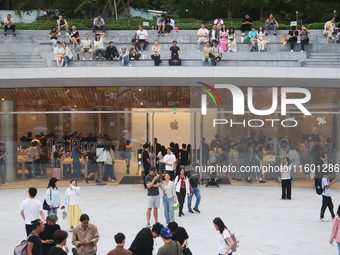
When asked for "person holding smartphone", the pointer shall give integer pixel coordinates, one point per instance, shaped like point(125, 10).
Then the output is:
point(304, 37)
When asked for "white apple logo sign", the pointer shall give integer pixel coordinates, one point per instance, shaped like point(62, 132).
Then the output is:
point(174, 125)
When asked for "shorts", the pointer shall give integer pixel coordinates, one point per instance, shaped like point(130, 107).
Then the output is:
point(86, 49)
point(78, 41)
point(92, 168)
point(154, 201)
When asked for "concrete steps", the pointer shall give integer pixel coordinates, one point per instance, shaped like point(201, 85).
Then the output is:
point(185, 62)
point(319, 59)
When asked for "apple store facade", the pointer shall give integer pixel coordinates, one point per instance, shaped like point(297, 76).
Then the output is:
point(220, 110)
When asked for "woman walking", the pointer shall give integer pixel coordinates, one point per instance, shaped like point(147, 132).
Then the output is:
point(225, 243)
point(335, 235)
point(169, 198)
point(286, 179)
point(128, 149)
point(72, 204)
point(52, 196)
point(182, 188)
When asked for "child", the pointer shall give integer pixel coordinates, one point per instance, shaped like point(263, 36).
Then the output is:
point(3, 161)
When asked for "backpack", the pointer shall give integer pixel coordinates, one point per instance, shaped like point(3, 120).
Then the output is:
point(134, 37)
point(21, 249)
point(318, 188)
point(233, 237)
point(246, 40)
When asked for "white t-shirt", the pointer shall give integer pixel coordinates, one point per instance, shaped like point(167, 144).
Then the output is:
point(59, 51)
point(222, 245)
point(218, 21)
point(72, 197)
point(202, 31)
point(142, 34)
point(31, 208)
point(169, 159)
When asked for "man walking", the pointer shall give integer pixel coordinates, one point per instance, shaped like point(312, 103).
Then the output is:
point(31, 209)
point(143, 243)
point(170, 246)
point(34, 244)
point(85, 236)
point(194, 178)
point(153, 183)
point(326, 197)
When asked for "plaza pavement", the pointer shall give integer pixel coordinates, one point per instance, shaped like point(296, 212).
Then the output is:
point(262, 222)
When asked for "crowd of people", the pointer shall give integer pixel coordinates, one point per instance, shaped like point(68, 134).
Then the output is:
point(45, 237)
point(220, 38)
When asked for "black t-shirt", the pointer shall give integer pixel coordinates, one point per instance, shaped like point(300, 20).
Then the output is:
point(193, 176)
point(48, 235)
point(145, 156)
point(76, 35)
point(143, 243)
point(91, 156)
point(2, 160)
point(184, 158)
point(37, 244)
point(62, 22)
point(180, 235)
point(174, 50)
point(247, 20)
point(291, 32)
point(56, 251)
point(153, 191)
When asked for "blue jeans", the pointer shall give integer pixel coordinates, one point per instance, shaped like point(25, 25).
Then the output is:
point(185, 167)
point(54, 210)
point(204, 60)
point(126, 60)
point(198, 198)
point(67, 60)
point(338, 247)
point(228, 253)
point(274, 27)
point(54, 43)
point(168, 209)
point(303, 42)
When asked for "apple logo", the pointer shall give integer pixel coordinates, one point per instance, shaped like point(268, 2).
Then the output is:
point(174, 125)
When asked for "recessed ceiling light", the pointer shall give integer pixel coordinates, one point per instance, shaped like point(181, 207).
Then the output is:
point(3, 99)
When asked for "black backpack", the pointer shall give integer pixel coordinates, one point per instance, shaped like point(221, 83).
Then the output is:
point(318, 188)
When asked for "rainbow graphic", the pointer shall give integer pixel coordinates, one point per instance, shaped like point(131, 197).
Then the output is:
point(204, 97)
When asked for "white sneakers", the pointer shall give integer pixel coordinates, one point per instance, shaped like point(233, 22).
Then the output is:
point(301, 50)
point(323, 220)
point(292, 51)
point(284, 43)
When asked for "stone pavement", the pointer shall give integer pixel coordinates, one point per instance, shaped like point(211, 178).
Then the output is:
point(262, 222)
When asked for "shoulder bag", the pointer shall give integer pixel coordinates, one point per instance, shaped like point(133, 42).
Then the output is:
point(45, 205)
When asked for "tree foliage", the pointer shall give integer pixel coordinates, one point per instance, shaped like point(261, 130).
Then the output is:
point(284, 10)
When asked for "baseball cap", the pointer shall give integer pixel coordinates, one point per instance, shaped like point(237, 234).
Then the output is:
point(166, 232)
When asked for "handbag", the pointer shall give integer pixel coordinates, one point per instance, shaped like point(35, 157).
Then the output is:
point(45, 205)
point(187, 251)
point(175, 206)
point(246, 40)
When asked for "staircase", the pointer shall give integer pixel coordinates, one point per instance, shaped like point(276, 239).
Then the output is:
point(20, 60)
point(326, 60)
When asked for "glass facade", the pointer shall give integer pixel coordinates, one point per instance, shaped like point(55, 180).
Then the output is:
point(58, 121)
